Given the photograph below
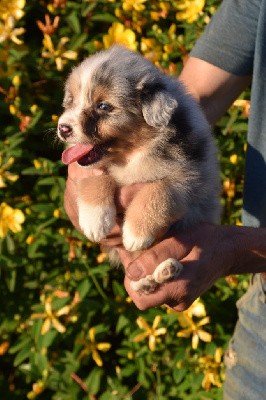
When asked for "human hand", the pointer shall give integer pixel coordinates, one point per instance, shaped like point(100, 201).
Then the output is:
point(206, 252)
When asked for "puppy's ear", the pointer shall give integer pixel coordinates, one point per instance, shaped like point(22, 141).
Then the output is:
point(158, 105)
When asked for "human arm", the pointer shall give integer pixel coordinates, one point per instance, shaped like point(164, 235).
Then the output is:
point(214, 88)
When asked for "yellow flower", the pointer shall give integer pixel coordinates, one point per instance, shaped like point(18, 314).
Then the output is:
point(234, 158)
point(211, 367)
point(151, 49)
point(244, 105)
point(16, 81)
point(101, 258)
point(8, 31)
point(189, 10)
point(192, 328)
point(37, 164)
point(10, 219)
point(57, 213)
point(197, 309)
point(229, 187)
point(162, 12)
point(150, 331)
point(60, 55)
point(54, 118)
point(5, 174)
point(13, 110)
point(50, 316)
point(11, 7)
point(37, 388)
point(91, 347)
point(4, 346)
point(30, 239)
point(117, 33)
point(34, 108)
point(137, 5)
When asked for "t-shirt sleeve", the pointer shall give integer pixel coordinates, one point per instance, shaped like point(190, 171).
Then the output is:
point(228, 41)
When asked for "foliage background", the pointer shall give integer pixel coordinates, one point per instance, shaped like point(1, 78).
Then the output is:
point(67, 328)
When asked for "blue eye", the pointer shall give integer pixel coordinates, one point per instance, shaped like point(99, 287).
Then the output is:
point(104, 106)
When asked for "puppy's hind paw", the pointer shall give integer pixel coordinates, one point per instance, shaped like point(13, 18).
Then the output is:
point(166, 271)
point(145, 285)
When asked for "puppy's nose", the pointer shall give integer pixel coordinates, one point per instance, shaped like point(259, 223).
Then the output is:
point(65, 130)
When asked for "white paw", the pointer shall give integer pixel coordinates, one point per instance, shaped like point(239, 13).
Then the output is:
point(145, 285)
point(164, 272)
point(134, 243)
point(167, 270)
point(96, 221)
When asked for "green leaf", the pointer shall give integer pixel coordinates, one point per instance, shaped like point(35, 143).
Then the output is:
point(83, 288)
point(128, 370)
point(77, 41)
point(104, 18)
point(74, 22)
point(11, 280)
point(46, 181)
point(24, 342)
point(122, 322)
point(10, 244)
point(40, 361)
point(93, 381)
point(24, 353)
point(48, 339)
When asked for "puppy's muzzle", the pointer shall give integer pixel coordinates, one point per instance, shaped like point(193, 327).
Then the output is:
point(65, 131)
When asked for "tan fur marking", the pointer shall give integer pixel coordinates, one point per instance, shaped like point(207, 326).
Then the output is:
point(96, 190)
point(152, 209)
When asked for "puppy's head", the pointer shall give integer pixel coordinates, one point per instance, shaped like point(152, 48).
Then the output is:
point(115, 102)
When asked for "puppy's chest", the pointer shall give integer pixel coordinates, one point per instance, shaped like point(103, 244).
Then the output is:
point(140, 167)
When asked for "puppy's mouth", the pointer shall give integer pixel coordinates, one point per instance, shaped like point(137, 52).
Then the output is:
point(84, 154)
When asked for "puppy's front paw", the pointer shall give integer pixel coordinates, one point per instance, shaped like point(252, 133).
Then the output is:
point(96, 221)
point(132, 242)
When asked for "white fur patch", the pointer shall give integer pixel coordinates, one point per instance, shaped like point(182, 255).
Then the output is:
point(134, 243)
point(168, 269)
point(96, 221)
point(164, 272)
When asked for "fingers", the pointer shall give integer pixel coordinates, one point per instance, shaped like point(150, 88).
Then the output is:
point(76, 172)
point(114, 238)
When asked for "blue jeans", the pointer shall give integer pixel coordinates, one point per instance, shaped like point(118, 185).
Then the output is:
point(245, 358)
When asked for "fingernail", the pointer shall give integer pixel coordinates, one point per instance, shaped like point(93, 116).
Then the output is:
point(134, 272)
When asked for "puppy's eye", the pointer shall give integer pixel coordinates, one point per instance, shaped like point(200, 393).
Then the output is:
point(103, 106)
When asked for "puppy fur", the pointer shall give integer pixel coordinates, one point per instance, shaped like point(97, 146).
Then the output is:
point(144, 127)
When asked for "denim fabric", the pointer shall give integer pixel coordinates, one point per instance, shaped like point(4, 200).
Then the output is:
point(245, 358)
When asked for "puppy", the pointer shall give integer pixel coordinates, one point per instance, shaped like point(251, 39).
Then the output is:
point(124, 115)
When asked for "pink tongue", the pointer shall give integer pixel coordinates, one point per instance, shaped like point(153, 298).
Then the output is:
point(74, 153)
